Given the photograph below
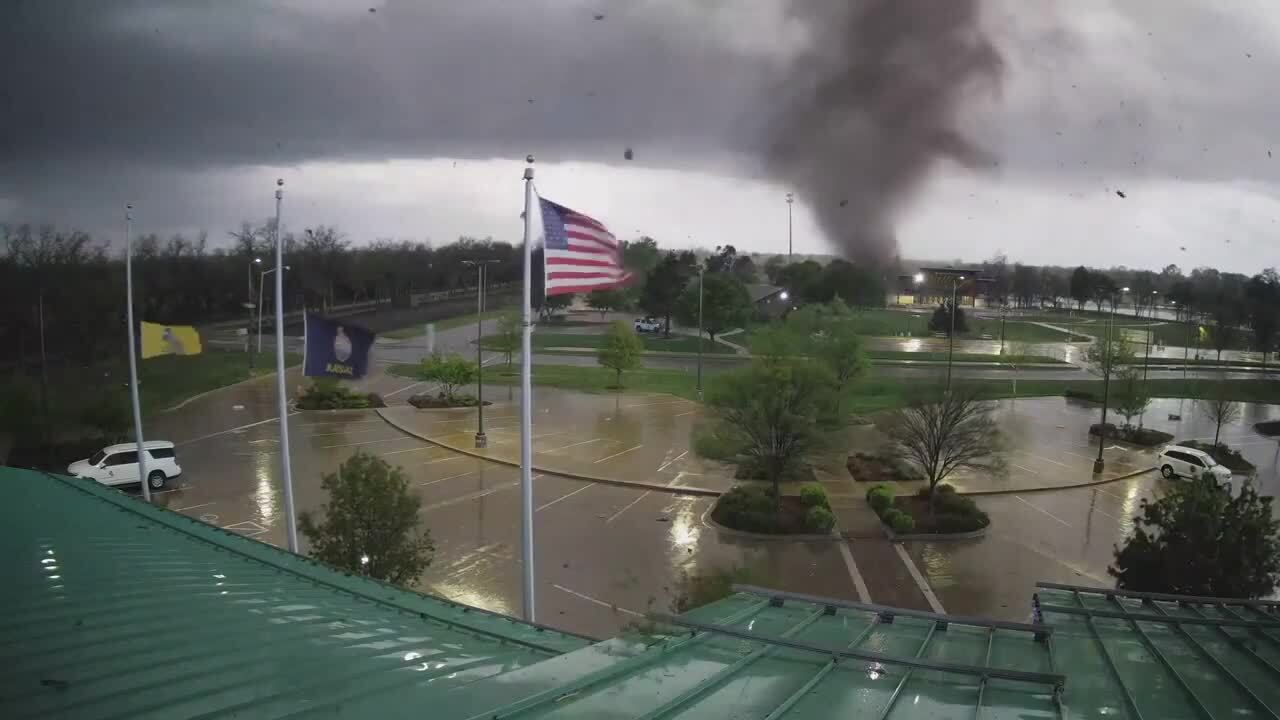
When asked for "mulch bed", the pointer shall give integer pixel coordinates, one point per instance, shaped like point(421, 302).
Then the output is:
point(864, 467)
point(1224, 455)
point(1145, 437)
point(918, 508)
point(435, 402)
point(1270, 428)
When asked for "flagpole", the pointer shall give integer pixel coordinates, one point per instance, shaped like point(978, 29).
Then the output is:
point(526, 403)
point(290, 522)
point(133, 362)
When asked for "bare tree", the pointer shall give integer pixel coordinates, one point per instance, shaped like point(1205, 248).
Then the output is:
point(954, 433)
point(1218, 409)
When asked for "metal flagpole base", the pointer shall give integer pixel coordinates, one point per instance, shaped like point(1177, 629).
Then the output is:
point(1097, 466)
point(482, 440)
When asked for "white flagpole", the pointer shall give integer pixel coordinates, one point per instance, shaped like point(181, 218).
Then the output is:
point(290, 522)
point(526, 404)
point(133, 362)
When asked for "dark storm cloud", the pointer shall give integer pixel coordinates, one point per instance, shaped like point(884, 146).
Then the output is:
point(193, 84)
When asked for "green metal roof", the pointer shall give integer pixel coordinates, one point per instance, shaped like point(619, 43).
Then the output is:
point(120, 609)
point(113, 608)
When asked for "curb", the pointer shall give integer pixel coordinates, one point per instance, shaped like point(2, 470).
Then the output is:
point(933, 537)
point(635, 484)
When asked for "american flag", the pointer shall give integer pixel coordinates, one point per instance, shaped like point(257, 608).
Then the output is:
point(581, 254)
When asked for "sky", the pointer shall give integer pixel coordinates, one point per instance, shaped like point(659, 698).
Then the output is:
point(411, 119)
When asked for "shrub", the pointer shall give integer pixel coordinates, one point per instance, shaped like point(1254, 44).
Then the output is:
point(329, 394)
point(880, 498)
point(947, 522)
point(375, 400)
point(819, 519)
point(890, 515)
point(748, 508)
point(946, 489)
point(814, 495)
point(709, 444)
point(902, 523)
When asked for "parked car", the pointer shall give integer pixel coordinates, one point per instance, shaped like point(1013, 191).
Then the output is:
point(648, 324)
point(1182, 461)
point(118, 464)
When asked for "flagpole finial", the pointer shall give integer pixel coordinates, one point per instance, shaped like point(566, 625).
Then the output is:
point(528, 172)
point(128, 212)
point(279, 188)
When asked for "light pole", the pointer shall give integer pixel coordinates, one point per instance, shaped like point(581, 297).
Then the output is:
point(1146, 355)
point(248, 303)
point(482, 441)
point(262, 279)
point(700, 321)
point(790, 199)
point(951, 336)
point(282, 396)
point(1106, 385)
point(1004, 313)
point(133, 361)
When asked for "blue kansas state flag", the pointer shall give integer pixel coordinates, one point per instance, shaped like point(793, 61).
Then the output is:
point(335, 349)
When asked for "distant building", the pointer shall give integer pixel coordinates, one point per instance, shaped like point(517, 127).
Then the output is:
point(770, 301)
point(931, 286)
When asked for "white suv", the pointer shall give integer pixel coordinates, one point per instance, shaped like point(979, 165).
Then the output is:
point(648, 324)
point(118, 464)
point(1179, 460)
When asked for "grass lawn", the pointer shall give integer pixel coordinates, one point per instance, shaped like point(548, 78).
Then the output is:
point(868, 394)
point(168, 380)
point(419, 330)
point(677, 343)
point(881, 322)
point(959, 357)
point(1210, 361)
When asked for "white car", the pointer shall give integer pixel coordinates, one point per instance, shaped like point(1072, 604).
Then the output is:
point(644, 325)
point(118, 464)
point(1179, 460)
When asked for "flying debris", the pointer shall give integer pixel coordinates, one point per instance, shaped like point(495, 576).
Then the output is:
point(627, 153)
point(1121, 194)
point(1183, 248)
point(844, 203)
point(599, 16)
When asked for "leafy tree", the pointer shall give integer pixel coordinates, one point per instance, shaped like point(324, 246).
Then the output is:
point(1262, 302)
point(1199, 540)
point(725, 304)
point(508, 338)
point(369, 526)
point(772, 416)
point(641, 256)
point(1106, 357)
point(744, 268)
point(1081, 287)
point(776, 343)
point(1130, 396)
point(723, 260)
point(452, 371)
point(553, 304)
point(772, 267)
point(665, 284)
point(621, 350)
point(803, 280)
point(859, 286)
point(954, 433)
point(1227, 313)
point(831, 338)
point(603, 301)
point(940, 322)
point(108, 412)
point(1217, 407)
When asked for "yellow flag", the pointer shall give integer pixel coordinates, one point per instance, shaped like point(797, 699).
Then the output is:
point(169, 340)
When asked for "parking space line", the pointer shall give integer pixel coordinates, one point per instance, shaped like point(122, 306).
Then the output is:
point(368, 442)
point(1037, 507)
point(566, 447)
point(597, 601)
point(173, 489)
point(665, 402)
point(345, 432)
point(1024, 469)
point(920, 581)
point(406, 387)
point(451, 477)
point(234, 429)
point(685, 413)
point(628, 507)
point(342, 422)
point(417, 449)
point(192, 507)
point(1086, 457)
point(1045, 459)
point(440, 460)
point(624, 452)
point(563, 497)
point(859, 584)
point(664, 465)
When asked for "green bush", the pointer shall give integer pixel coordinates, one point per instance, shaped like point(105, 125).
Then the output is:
point(890, 515)
point(709, 444)
point(902, 523)
point(880, 498)
point(747, 507)
point(946, 488)
point(814, 495)
point(945, 522)
point(819, 520)
point(329, 394)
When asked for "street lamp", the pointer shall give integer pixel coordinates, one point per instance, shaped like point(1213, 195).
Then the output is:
point(1146, 355)
point(482, 440)
point(1004, 313)
point(248, 304)
point(262, 279)
point(790, 199)
point(700, 320)
point(1106, 384)
point(951, 336)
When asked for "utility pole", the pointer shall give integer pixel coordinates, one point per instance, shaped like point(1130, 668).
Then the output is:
point(790, 199)
point(951, 336)
point(1107, 355)
point(700, 327)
